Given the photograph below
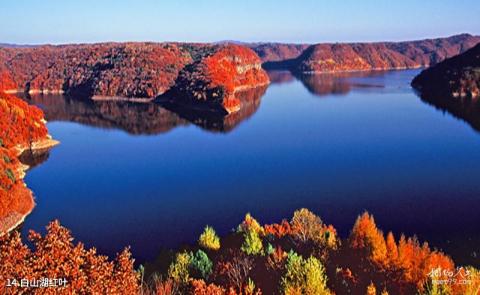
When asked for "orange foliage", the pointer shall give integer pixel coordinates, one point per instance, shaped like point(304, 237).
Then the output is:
point(417, 261)
point(15, 199)
point(233, 66)
point(335, 57)
point(199, 287)
point(107, 69)
point(392, 249)
point(278, 230)
point(221, 71)
point(277, 259)
point(366, 235)
point(405, 267)
point(414, 260)
point(55, 256)
point(6, 82)
point(20, 124)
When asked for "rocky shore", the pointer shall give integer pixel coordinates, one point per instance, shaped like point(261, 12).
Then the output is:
point(22, 129)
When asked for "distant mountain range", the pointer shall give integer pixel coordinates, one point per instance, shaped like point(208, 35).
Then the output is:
point(9, 45)
point(341, 57)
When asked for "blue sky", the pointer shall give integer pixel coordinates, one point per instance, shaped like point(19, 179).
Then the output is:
point(63, 21)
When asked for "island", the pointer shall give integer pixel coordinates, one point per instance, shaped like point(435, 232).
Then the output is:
point(200, 75)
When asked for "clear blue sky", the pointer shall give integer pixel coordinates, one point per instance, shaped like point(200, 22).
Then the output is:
point(64, 21)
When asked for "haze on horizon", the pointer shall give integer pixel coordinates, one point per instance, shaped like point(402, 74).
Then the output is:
point(58, 21)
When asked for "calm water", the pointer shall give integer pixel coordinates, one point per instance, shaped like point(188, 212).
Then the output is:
point(152, 178)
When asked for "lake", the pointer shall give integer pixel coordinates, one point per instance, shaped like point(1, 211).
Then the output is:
point(152, 176)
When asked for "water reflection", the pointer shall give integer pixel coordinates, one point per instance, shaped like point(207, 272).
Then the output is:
point(143, 118)
point(331, 83)
point(373, 151)
point(465, 109)
point(280, 77)
point(134, 118)
point(157, 118)
point(33, 159)
point(216, 122)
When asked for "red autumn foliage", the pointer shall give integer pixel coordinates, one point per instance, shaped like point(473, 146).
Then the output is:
point(108, 69)
point(15, 199)
point(276, 259)
point(278, 230)
point(55, 256)
point(233, 67)
point(272, 52)
point(348, 270)
point(127, 69)
point(224, 70)
point(20, 124)
point(199, 287)
point(382, 55)
point(6, 81)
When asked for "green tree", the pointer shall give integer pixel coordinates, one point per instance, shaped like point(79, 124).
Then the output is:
point(201, 264)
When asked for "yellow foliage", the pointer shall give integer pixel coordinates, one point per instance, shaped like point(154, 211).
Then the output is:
point(371, 290)
point(304, 276)
point(179, 269)
point(209, 239)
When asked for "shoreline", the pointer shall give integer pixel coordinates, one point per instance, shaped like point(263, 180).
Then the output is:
point(14, 218)
point(363, 70)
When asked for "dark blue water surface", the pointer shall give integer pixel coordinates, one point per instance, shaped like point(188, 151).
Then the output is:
point(152, 178)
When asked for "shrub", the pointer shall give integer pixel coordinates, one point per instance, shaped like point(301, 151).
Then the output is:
point(250, 288)
point(199, 287)
point(269, 249)
point(250, 224)
point(436, 289)
point(252, 244)
point(202, 264)
point(179, 269)
point(473, 275)
point(159, 285)
point(209, 239)
point(304, 276)
point(371, 290)
point(276, 258)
